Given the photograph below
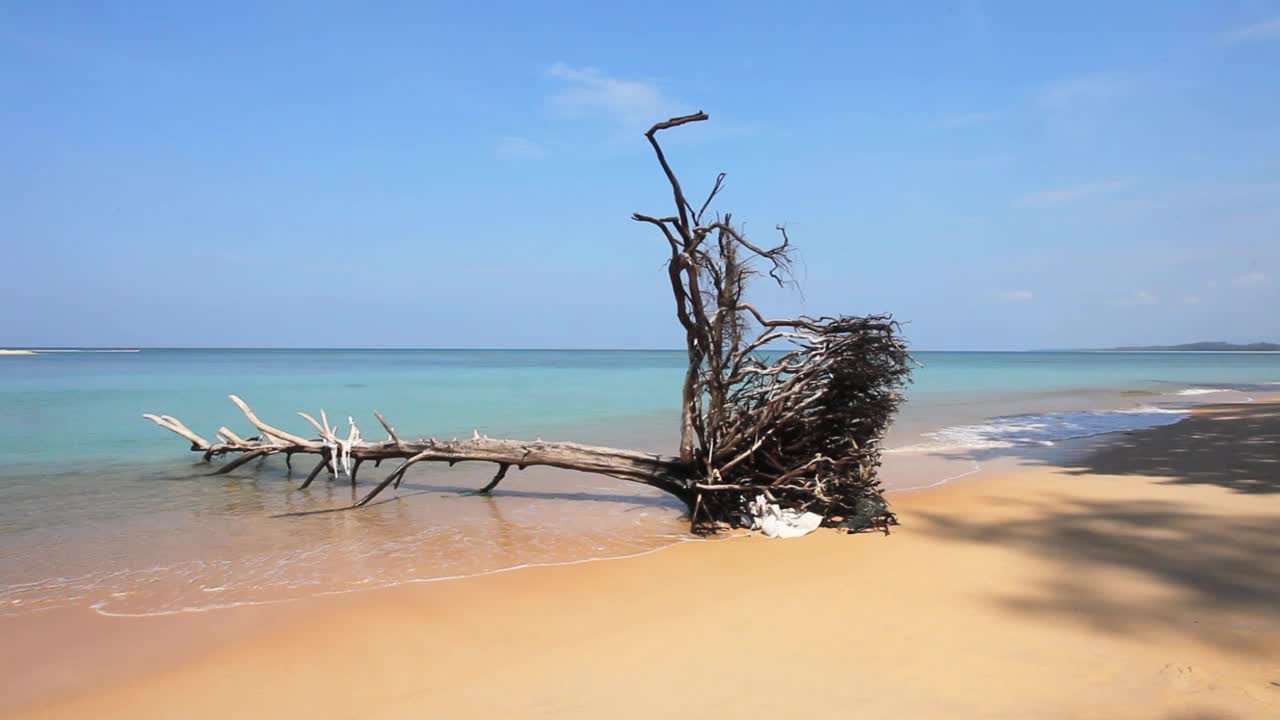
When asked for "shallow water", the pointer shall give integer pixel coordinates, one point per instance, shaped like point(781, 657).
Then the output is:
point(208, 542)
point(100, 508)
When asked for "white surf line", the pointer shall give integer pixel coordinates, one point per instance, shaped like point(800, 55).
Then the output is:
point(977, 468)
point(99, 607)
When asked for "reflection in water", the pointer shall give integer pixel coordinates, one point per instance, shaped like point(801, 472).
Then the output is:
point(172, 538)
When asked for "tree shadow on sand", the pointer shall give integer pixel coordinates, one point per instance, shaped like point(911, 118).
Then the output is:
point(1206, 574)
point(1210, 576)
point(1236, 447)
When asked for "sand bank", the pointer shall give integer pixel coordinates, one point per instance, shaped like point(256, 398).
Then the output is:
point(1139, 580)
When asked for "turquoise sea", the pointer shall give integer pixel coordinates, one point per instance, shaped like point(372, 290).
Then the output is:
point(101, 508)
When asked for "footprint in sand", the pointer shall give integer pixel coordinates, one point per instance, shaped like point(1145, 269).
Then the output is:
point(1182, 677)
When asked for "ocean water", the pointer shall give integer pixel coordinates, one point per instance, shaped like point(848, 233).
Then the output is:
point(100, 508)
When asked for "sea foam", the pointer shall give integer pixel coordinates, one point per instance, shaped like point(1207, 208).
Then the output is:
point(1041, 429)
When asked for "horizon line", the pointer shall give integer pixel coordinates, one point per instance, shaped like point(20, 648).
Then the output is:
point(388, 348)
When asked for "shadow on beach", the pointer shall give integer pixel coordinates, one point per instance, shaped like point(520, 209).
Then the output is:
point(1204, 574)
point(1203, 565)
point(1236, 447)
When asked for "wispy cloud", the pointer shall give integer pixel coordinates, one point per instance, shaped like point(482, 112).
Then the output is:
point(590, 91)
point(513, 146)
point(1191, 300)
point(1058, 196)
point(1261, 30)
point(1250, 279)
point(1086, 90)
point(962, 120)
point(1139, 297)
point(1015, 296)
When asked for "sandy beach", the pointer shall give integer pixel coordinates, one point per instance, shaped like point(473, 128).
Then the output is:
point(1135, 579)
point(456, 360)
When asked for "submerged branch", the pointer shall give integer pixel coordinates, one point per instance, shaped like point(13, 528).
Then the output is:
point(665, 473)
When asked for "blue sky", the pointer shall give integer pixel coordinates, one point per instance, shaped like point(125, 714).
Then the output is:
point(1000, 175)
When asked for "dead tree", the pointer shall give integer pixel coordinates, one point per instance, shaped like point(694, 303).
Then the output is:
point(776, 414)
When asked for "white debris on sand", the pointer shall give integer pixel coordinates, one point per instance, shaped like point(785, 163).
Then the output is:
point(776, 522)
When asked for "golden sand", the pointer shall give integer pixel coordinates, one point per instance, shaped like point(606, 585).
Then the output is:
point(1138, 581)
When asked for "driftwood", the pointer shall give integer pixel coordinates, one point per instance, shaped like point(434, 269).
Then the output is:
point(344, 455)
point(775, 413)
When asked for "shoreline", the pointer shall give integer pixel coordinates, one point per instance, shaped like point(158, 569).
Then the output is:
point(729, 535)
point(1147, 584)
point(212, 547)
point(928, 476)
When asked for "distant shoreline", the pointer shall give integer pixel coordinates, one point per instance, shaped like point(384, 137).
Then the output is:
point(1184, 352)
point(1202, 346)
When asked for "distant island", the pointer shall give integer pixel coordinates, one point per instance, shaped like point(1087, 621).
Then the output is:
point(1201, 347)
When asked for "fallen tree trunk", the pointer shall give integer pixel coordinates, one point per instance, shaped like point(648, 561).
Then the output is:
point(343, 456)
point(781, 419)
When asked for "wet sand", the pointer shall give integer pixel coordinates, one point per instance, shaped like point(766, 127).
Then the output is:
point(1138, 579)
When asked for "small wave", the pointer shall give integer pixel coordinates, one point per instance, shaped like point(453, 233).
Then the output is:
point(284, 575)
point(1202, 391)
point(102, 607)
point(1041, 430)
point(977, 468)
